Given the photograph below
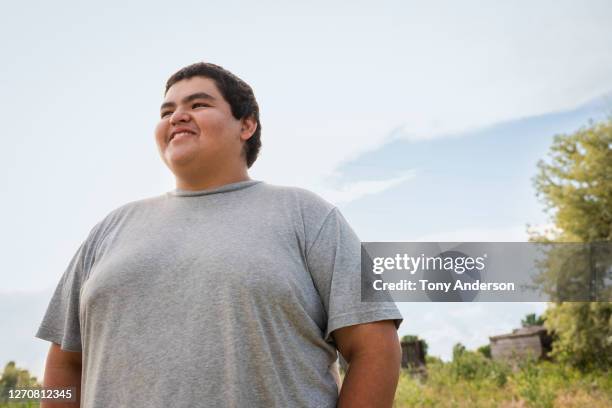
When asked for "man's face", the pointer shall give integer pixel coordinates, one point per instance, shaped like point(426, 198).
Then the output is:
point(197, 129)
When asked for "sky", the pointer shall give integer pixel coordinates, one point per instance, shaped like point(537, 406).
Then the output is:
point(421, 121)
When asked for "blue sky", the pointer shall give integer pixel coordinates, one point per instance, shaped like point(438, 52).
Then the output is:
point(420, 120)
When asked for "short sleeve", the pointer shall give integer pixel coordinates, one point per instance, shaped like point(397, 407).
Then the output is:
point(334, 261)
point(61, 323)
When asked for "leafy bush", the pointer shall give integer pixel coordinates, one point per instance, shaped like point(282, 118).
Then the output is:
point(584, 334)
point(485, 350)
point(470, 365)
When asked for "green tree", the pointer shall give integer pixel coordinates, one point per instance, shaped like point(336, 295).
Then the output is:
point(576, 186)
point(583, 333)
point(576, 183)
point(13, 377)
point(532, 319)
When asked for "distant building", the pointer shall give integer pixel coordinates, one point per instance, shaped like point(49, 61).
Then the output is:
point(413, 355)
point(528, 341)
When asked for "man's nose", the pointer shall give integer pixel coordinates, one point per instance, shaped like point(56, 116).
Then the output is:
point(179, 116)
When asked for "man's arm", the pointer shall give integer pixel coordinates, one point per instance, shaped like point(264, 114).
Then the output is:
point(373, 353)
point(62, 369)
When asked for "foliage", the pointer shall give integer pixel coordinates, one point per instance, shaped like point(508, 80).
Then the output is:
point(471, 365)
point(532, 319)
point(532, 384)
point(583, 334)
point(576, 185)
point(13, 377)
point(429, 360)
point(485, 350)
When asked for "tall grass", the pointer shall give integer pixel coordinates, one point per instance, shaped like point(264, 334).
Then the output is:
point(475, 381)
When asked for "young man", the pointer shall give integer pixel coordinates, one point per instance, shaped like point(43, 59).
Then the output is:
point(225, 291)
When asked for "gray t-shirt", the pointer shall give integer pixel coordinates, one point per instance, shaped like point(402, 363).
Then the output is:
point(223, 297)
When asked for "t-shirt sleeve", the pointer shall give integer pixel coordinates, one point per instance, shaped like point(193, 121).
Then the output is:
point(334, 261)
point(61, 323)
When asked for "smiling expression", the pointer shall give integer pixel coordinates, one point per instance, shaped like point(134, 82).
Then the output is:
point(197, 129)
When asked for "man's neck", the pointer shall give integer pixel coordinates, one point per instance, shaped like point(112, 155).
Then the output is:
point(210, 182)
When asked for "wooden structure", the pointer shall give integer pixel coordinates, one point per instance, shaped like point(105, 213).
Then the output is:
point(413, 354)
point(531, 341)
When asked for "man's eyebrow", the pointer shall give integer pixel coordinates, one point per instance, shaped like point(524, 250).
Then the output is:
point(189, 98)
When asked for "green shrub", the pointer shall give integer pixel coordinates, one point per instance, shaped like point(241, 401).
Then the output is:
point(485, 350)
point(470, 365)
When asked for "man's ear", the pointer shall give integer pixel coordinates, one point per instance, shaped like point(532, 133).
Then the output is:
point(249, 126)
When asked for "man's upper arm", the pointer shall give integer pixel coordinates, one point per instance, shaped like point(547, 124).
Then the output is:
point(367, 338)
point(61, 358)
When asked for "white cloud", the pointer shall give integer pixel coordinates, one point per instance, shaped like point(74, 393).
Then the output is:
point(515, 233)
point(353, 190)
point(308, 155)
point(458, 71)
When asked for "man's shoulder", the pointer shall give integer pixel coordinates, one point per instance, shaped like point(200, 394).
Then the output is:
point(136, 205)
point(122, 211)
point(302, 198)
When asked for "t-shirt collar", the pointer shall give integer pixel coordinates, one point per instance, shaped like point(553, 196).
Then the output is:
point(215, 190)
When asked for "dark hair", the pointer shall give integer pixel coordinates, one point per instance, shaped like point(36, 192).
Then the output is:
point(236, 92)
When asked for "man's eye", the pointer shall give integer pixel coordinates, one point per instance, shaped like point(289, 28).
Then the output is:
point(195, 105)
point(166, 113)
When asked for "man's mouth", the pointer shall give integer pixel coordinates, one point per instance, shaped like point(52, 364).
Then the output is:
point(180, 133)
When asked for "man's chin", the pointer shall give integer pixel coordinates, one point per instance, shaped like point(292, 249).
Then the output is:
point(178, 161)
